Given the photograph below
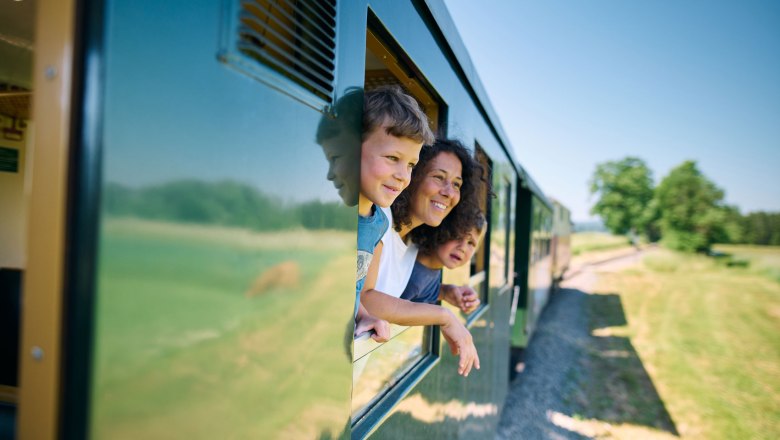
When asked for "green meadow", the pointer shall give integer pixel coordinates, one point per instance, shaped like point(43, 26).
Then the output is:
point(706, 338)
point(182, 351)
point(583, 242)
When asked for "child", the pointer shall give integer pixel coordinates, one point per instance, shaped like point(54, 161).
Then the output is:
point(394, 131)
point(447, 246)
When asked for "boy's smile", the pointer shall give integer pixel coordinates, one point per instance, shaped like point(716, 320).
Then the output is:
point(385, 168)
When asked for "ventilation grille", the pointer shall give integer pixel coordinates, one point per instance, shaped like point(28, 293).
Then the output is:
point(296, 38)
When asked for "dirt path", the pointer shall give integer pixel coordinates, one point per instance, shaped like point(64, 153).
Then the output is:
point(539, 404)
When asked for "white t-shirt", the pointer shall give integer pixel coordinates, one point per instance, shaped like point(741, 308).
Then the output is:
point(396, 262)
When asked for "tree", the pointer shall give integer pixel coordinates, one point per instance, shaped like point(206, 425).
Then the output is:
point(761, 228)
point(625, 189)
point(693, 216)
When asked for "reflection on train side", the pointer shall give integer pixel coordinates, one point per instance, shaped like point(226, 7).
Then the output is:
point(378, 367)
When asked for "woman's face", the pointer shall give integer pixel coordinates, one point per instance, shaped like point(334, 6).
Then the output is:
point(438, 191)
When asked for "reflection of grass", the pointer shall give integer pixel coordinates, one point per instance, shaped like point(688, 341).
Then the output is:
point(582, 242)
point(181, 352)
point(708, 337)
point(764, 260)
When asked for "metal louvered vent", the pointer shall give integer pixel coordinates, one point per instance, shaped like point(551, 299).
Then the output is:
point(296, 38)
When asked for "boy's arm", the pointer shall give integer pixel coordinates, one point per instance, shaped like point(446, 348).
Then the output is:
point(462, 297)
point(364, 320)
point(373, 269)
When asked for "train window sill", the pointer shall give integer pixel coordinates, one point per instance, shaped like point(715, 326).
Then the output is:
point(363, 344)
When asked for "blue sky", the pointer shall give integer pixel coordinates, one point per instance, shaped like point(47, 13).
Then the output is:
point(576, 83)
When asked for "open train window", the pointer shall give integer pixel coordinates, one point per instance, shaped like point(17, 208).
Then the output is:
point(480, 261)
point(378, 368)
point(387, 65)
point(475, 273)
point(508, 219)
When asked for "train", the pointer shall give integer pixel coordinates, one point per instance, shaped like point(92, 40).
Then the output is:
point(175, 262)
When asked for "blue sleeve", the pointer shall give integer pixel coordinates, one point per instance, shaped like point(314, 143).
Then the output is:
point(423, 285)
point(430, 293)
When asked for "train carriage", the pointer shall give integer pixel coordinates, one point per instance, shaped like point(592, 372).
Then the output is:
point(190, 247)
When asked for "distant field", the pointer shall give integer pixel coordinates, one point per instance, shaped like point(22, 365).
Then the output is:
point(764, 260)
point(582, 242)
point(702, 335)
point(183, 352)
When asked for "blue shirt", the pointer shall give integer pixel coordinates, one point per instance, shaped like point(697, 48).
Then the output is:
point(370, 231)
point(424, 285)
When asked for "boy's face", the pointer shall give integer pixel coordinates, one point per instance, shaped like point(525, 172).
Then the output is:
point(455, 253)
point(386, 166)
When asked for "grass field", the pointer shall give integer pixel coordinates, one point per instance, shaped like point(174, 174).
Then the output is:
point(182, 352)
point(582, 242)
point(688, 346)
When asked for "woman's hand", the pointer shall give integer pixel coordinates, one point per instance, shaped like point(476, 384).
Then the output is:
point(461, 344)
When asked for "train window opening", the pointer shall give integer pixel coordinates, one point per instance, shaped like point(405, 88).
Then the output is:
point(507, 233)
point(481, 260)
point(17, 20)
point(385, 67)
point(378, 368)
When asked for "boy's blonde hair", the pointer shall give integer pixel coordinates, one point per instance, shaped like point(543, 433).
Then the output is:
point(399, 113)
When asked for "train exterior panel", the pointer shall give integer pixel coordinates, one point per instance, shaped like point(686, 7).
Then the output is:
point(194, 272)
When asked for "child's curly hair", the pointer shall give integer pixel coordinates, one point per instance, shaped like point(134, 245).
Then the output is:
point(429, 238)
point(475, 183)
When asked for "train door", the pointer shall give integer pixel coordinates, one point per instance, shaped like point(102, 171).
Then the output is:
point(36, 73)
point(17, 26)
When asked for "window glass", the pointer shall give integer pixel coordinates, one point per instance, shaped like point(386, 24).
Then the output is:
point(377, 367)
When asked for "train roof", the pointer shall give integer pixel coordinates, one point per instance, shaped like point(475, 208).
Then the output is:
point(468, 73)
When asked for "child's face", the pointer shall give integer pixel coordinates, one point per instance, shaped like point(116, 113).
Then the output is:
point(386, 166)
point(455, 253)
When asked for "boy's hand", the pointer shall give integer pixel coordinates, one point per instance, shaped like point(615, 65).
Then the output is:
point(462, 297)
point(380, 327)
point(461, 344)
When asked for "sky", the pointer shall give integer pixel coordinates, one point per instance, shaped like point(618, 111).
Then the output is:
point(576, 83)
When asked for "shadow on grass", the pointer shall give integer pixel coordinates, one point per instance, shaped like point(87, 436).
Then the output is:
point(580, 372)
point(617, 386)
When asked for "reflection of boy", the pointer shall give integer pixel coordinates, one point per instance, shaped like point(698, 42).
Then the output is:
point(440, 247)
point(339, 137)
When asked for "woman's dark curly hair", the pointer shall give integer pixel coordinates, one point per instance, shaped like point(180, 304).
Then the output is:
point(475, 185)
point(428, 238)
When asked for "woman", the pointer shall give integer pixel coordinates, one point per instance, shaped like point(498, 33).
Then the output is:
point(446, 183)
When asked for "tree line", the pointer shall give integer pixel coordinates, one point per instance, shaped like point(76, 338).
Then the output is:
point(225, 203)
point(685, 211)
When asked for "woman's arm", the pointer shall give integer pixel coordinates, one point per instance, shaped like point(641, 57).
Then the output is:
point(402, 312)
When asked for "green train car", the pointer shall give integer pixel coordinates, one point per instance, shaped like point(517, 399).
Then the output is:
point(179, 251)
